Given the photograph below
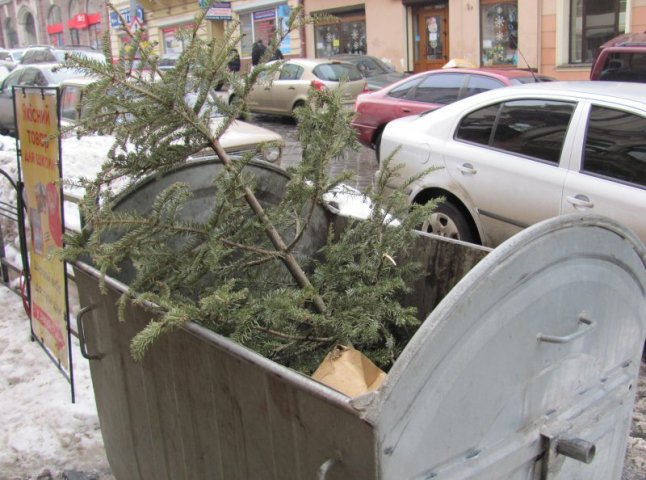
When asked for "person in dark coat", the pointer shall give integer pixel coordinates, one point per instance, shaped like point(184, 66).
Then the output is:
point(257, 51)
point(234, 63)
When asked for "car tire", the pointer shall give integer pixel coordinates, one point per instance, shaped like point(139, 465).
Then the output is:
point(298, 104)
point(377, 143)
point(448, 221)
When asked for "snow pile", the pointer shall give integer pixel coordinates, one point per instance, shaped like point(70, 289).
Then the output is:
point(41, 428)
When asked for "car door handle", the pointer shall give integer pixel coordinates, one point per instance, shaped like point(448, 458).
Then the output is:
point(406, 110)
point(467, 169)
point(291, 88)
point(580, 201)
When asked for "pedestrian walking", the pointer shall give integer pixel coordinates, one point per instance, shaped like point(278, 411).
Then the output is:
point(234, 63)
point(257, 51)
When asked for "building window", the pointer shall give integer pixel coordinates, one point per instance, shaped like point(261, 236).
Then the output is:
point(593, 22)
point(499, 25)
point(347, 36)
point(261, 25)
point(172, 42)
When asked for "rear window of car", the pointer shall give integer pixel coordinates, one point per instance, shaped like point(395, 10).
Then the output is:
point(401, 91)
point(439, 88)
point(531, 128)
point(335, 72)
point(624, 67)
point(614, 146)
point(37, 56)
point(480, 83)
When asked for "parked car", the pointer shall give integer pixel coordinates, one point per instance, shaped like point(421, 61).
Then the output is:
point(428, 91)
point(240, 137)
point(514, 156)
point(48, 54)
point(37, 75)
point(621, 59)
point(10, 57)
point(281, 92)
point(377, 73)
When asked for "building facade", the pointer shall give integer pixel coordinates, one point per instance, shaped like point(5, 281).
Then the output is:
point(52, 22)
point(554, 37)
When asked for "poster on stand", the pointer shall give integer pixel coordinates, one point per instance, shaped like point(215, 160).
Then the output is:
point(37, 127)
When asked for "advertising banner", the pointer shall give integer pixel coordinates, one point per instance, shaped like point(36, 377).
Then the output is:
point(37, 124)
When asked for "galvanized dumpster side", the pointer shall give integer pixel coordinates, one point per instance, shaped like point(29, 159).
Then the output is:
point(202, 407)
point(526, 369)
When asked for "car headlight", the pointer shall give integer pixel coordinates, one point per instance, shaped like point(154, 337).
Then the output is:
point(272, 153)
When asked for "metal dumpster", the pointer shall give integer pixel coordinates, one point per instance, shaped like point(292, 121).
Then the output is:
point(524, 370)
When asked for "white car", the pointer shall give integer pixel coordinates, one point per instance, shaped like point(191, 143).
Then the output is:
point(514, 156)
point(240, 137)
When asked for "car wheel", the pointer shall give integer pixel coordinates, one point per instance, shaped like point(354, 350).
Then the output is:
point(448, 221)
point(297, 105)
point(377, 143)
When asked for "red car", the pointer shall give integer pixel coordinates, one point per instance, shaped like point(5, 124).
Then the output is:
point(428, 91)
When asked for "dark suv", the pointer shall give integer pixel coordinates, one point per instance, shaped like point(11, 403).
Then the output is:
point(621, 59)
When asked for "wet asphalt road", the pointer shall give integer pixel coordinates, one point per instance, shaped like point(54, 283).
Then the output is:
point(362, 163)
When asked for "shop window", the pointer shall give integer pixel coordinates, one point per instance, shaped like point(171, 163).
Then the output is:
point(261, 25)
point(499, 25)
point(592, 23)
point(172, 42)
point(346, 37)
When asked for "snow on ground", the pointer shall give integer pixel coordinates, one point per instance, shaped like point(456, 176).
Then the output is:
point(42, 430)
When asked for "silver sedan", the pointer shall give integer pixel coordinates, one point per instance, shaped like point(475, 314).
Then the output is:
point(514, 156)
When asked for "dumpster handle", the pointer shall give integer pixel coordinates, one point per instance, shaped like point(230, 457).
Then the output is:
point(81, 332)
point(325, 468)
point(584, 326)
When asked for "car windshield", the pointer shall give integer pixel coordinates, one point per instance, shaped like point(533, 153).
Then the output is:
point(58, 75)
point(335, 72)
point(61, 54)
point(371, 67)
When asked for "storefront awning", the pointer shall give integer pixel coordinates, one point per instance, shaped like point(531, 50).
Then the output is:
point(54, 29)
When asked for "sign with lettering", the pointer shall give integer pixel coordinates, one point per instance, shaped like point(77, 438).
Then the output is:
point(37, 126)
point(218, 11)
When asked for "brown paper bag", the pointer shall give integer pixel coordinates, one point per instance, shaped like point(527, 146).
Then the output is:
point(349, 371)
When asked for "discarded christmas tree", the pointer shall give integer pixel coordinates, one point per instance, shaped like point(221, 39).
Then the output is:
point(242, 271)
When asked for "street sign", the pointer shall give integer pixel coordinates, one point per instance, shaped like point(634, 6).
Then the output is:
point(136, 25)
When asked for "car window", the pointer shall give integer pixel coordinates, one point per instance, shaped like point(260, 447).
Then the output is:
point(290, 71)
point(401, 91)
point(480, 83)
point(533, 128)
point(624, 67)
point(369, 68)
point(12, 79)
point(38, 56)
point(334, 72)
point(477, 126)
point(70, 101)
point(439, 88)
point(614, 145)
point(29, 76)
